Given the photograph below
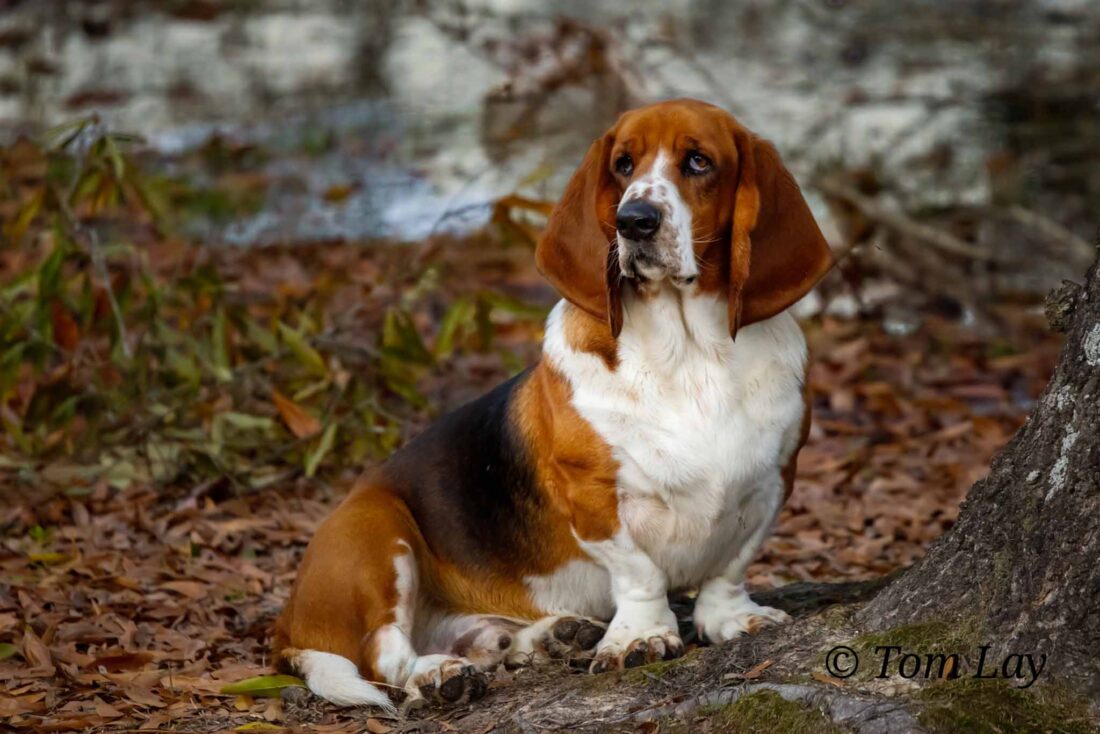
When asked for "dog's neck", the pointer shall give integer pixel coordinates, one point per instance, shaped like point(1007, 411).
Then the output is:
point(664, 324)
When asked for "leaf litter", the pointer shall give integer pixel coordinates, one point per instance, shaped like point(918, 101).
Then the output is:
point(161, 496)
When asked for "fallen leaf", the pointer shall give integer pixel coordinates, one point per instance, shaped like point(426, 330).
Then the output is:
point(123, 661)
point(190, 589)
point(262, 686)
point(37, 654)
point(48, 558)
point(106, 710)
point(7, 650)
point(144, 697)
point(66, 334)
point(300, 421)
point(755, 671)
point(828, 679)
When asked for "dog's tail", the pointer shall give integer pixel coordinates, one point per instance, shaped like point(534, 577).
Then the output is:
point(334, 678)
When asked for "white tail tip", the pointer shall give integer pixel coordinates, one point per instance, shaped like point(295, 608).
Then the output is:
point(336, 679)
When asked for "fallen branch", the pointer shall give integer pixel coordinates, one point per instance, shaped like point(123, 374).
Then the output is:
point(898, 221)
point(1055, 231)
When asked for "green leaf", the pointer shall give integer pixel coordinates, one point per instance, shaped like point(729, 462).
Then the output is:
point(61, 135)
point(7, 650)
point(306, 354)
point(260, 726)
point(10, 361)
point(246, 422)
point(184, 366)
point(323, 446)
point(399, 336)
point(263, 685)
point(47, 558)
point(17, 227)
point(458, 321)
point(49, 273)
point(114, 155)
point(14, 429)
point(514, 306)
point(261, 337)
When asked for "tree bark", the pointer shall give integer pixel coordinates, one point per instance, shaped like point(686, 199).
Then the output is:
point(1023, 561)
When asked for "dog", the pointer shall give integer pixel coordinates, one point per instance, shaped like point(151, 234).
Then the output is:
point(648, 450)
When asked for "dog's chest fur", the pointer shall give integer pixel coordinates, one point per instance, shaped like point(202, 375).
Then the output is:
point(699, 424)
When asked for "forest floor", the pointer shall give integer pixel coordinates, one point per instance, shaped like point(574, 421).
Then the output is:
point(159, 504)
point(130, 606)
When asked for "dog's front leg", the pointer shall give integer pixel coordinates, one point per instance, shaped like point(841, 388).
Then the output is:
point(644, 627)
point(723, 609)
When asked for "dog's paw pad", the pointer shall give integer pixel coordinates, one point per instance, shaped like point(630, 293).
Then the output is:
point(455, 684)
point(575, 636)
point(661, 646)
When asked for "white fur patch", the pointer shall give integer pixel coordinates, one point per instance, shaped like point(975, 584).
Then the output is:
point(336, 679)
point(579, 588)
point(407, 583)
point(640, 590)
point(724, 611)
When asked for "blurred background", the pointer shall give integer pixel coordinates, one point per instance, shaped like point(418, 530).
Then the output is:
point(431, 111)
point(248, 248)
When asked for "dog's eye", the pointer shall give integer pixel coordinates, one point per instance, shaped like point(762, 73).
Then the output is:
point(624, 165)
point(696, 163)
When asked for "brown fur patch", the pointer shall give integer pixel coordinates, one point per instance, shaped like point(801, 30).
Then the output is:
point(466, 591)
point(573, 465)
point(346, 585)
point(791, 467)
point(585, 333)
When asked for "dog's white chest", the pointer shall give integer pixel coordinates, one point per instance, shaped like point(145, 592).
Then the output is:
point(699, 424)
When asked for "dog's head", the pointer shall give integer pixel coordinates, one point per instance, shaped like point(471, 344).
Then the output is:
point(680, 191)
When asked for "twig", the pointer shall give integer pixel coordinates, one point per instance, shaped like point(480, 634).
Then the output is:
point(896, 220)
point(1055, 231)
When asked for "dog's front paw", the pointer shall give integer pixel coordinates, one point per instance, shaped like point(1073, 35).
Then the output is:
point(616, 651)
point(720, 617)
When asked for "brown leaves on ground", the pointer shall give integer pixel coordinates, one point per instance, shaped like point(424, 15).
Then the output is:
point(131, 609)
point(903, 426)
point(154, 532)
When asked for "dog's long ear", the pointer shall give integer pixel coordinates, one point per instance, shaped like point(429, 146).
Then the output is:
point(777, 252)
point(576, 252)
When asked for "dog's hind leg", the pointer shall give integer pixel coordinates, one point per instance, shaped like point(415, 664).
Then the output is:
point(389, 651)
point(348, 626)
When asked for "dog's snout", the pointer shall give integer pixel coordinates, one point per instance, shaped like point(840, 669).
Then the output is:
point(638, 220)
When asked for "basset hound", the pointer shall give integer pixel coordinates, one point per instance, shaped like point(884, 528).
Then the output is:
point(648, 450)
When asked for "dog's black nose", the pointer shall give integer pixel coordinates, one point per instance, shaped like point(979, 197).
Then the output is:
point(637, 220)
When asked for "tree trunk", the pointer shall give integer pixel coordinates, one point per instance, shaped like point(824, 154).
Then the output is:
point(1023, 561)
